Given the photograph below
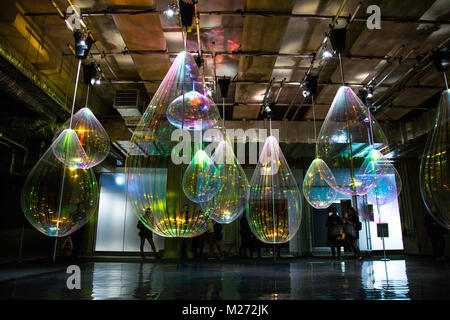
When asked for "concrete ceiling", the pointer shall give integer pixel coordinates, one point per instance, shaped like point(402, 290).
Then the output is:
point(281, 45)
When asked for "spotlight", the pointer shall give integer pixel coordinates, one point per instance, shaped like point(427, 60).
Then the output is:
point(89, 73)
point(83, 44)
point(370, 92)
point(187, 11)
point(98, 81)
point(441, 58)
point(310, 85)
point(171, 10)
point(327, 55)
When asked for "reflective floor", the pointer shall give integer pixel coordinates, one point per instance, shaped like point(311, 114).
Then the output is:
point(294, 279)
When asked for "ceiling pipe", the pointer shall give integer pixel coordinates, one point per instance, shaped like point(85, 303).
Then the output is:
point(244, 13)
point(387, 97)
point(235, 53)
point(100, 52)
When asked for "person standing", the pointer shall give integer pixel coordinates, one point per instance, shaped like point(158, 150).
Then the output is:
point(215, 236)
point(352, 228)
point(245, 233)
point(146, 234)
point(335, 227)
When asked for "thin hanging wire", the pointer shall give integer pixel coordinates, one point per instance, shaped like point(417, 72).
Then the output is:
point(223, 115)
point(445, 79)
point(270, 125)
point(75, 93)
point(341, 68)
point(315, 130)
point(184, 75)
point(87, 96)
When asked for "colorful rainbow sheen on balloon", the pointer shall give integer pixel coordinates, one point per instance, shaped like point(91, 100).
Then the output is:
point(273, 200)
point(67, 148)
point(155, 150)
point(85, 144)
point(348, 133)
point(374, 167)
point(231, 200)
point(58, 200)
point(435, 165)
point(189, 107)
point(387, 189)
point(315, 186)
point(201, 181)
point(197, 109)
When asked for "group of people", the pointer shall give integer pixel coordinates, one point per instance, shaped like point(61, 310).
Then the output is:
point(343, 232)
point(213, 236)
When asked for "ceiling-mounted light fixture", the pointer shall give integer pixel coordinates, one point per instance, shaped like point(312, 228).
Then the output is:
point(310, 85)
point(187, 11)
point(171, 11)
point(83, 43)
point(326, 50)
point(370, 92)
point(441, 59)
point(89, 73)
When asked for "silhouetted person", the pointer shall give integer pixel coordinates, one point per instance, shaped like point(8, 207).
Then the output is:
point(215, 236)
point(246, 234)
point(352, 228)
point(436, 233)
point(198, 243)
point(335, 227)
point(77, 239)
point(146, 234)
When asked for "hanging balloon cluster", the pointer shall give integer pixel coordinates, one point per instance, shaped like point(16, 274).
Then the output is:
point(435, 167)
point(229, 203)
point(61, 193)
point(274, 209)
point(347, 156)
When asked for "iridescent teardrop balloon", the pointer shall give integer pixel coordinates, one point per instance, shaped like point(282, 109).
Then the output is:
point(58, 200)
point(67, 148)
point(231, 199)
point(154, 170)
point(348, 129)
point(183, 98)
point(273, 199)
point(198, 112)
point(387, 189)
point(93, 143)
point(201, 181)
point(373, 168)
point(435, 166)
point(316, 189)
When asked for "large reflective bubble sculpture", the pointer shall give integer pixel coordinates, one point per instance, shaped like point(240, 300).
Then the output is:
point(85, 142)
point(348, 130)
point(316, 189)
point(201, 180)
point(274, 200)
point(183, 96)
point(387, 189)
point(230, 202)
point(196, 106)
point(434, 167)
point(156, 149)
point(56, 199)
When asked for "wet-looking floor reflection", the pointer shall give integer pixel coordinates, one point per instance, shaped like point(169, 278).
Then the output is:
point(293, 279)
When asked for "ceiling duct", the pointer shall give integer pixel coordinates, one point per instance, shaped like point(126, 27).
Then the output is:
point(129, 104)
